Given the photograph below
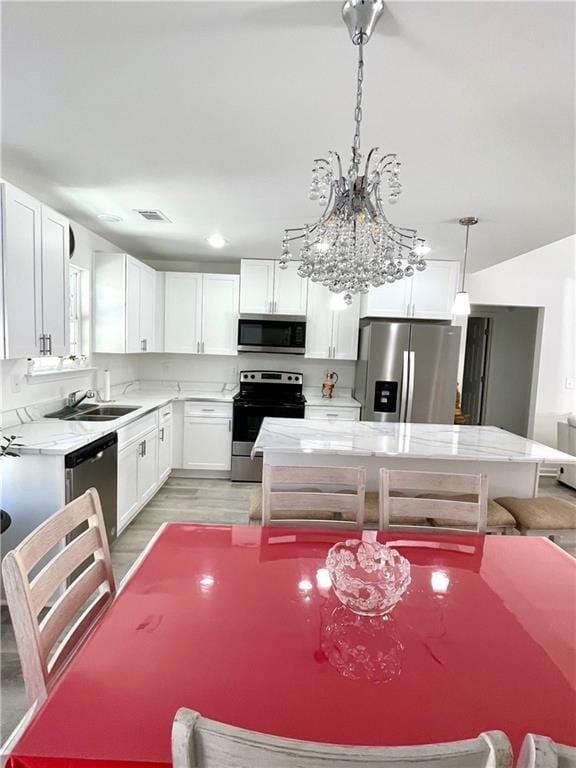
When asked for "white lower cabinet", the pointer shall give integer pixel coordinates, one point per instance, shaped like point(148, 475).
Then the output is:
point(207, 442)
point(128, 497)
point(148, 465)
point(139, 468)
point(165, 444)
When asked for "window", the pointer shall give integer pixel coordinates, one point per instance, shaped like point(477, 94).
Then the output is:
point(75, 311)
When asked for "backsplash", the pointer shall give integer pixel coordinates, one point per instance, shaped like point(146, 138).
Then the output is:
point(226, 368)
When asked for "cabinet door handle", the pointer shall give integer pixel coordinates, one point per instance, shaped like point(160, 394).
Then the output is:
point(202, 347)
point(42, 344)
point(333, 415)
point(333, 351)
point(208, 410)
point(49, 343)
point(229, 425)
point(143, 345)
point(162, 434)
point(197, 346)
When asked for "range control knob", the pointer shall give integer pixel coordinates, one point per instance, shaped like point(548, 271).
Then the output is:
point(252, 376)
point(289, 378)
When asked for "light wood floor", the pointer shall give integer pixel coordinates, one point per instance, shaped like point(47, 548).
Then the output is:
point(181, 499)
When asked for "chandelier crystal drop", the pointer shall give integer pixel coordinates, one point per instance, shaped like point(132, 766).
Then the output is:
point(353, 245)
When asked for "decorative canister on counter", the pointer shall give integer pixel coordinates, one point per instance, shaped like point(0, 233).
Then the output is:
point(329, 383)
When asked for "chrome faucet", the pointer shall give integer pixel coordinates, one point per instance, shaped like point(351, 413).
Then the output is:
point(72, 401)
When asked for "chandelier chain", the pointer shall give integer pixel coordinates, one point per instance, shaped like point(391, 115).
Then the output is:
point(358, 111)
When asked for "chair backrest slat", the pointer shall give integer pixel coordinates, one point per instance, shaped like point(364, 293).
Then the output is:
point(342, 490)
point(401, 480)
point(53, 530)
point(469, 514)
point(329, 502)
point(448, 509)
point(201, 743)
point(79, 588)
point(315, 475)
point(69, 604)
point(62, 566)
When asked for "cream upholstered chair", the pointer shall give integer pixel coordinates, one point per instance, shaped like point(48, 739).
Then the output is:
point(542, 516)
point(469, 516)
point(332, 496)
point(201, 743)
point(542, 752)
point(33, 575)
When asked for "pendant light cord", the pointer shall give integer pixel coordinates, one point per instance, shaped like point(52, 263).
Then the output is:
point(465, 257)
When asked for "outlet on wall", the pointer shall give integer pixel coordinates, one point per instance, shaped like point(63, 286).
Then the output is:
point(16, 382)
point(570, 383)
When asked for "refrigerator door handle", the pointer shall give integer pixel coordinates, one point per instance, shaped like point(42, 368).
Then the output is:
point(410, 400)
point(405, 388)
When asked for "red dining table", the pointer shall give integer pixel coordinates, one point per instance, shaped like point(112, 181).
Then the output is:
point(240, 623)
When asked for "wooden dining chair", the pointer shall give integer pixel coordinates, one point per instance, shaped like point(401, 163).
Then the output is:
point(542, 752)
point(327, 496)
point(448, 513)
point(201, 743)
point(48, 594)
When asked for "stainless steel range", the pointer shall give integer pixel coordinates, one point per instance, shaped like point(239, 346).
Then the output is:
point(276, 394)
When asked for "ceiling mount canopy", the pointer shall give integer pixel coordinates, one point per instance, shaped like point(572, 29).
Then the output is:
point(353, 245)
point(361, 17)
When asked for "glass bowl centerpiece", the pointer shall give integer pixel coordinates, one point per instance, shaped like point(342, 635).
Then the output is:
point(368, 577)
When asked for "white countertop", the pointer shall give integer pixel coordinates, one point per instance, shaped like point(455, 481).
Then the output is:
point(341, 399)
point(423, 441)
point(58, 437)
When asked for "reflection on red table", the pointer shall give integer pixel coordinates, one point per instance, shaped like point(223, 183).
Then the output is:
point(240, 624)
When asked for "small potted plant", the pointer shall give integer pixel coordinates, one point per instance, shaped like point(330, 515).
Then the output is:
point(8, 447)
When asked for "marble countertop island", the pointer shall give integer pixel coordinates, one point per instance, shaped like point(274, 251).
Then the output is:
point(418, 441)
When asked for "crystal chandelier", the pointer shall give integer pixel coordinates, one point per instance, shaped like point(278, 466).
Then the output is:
point(352, 245)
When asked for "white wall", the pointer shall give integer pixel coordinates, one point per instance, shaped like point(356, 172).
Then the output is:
point(545, 277)
point(212, 368)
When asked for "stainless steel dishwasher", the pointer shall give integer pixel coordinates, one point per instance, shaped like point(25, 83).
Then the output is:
point(95, 466)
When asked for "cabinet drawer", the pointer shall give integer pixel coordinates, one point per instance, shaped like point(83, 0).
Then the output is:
point(133, 431)
point(207, 409)
point(322, 412)
point(165, 413)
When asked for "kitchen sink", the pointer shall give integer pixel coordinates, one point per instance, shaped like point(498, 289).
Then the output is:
point(93, 412)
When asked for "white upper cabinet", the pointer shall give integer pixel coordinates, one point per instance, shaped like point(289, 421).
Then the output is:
point(35, 294)
point(290, 290)
point(388, 300)
point(182, 312)
point(21, 252)
point(220, 314)
point(55, 281)
point(427, 294)
point(256, 286)
point(433, 290)
point(267, 289)
point(331, 334)
point(123, 304)
point(201, 313)
point(346, 324)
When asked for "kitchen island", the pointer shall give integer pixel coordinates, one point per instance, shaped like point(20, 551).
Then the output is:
point(512, 463)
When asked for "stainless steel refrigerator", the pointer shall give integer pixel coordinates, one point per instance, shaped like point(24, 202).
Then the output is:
point(407, 372)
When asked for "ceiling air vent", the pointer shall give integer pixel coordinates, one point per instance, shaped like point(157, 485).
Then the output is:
point(152, 215)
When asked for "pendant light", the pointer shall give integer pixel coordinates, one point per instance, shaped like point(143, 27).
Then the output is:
point(461, 306)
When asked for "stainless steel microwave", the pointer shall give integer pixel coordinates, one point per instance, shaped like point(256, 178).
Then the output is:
point(272, 333)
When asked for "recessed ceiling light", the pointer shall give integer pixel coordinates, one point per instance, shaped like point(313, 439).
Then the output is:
point(216, 240)
point(109, 217)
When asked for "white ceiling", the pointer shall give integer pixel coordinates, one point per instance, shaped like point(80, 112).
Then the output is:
point(213, 111)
